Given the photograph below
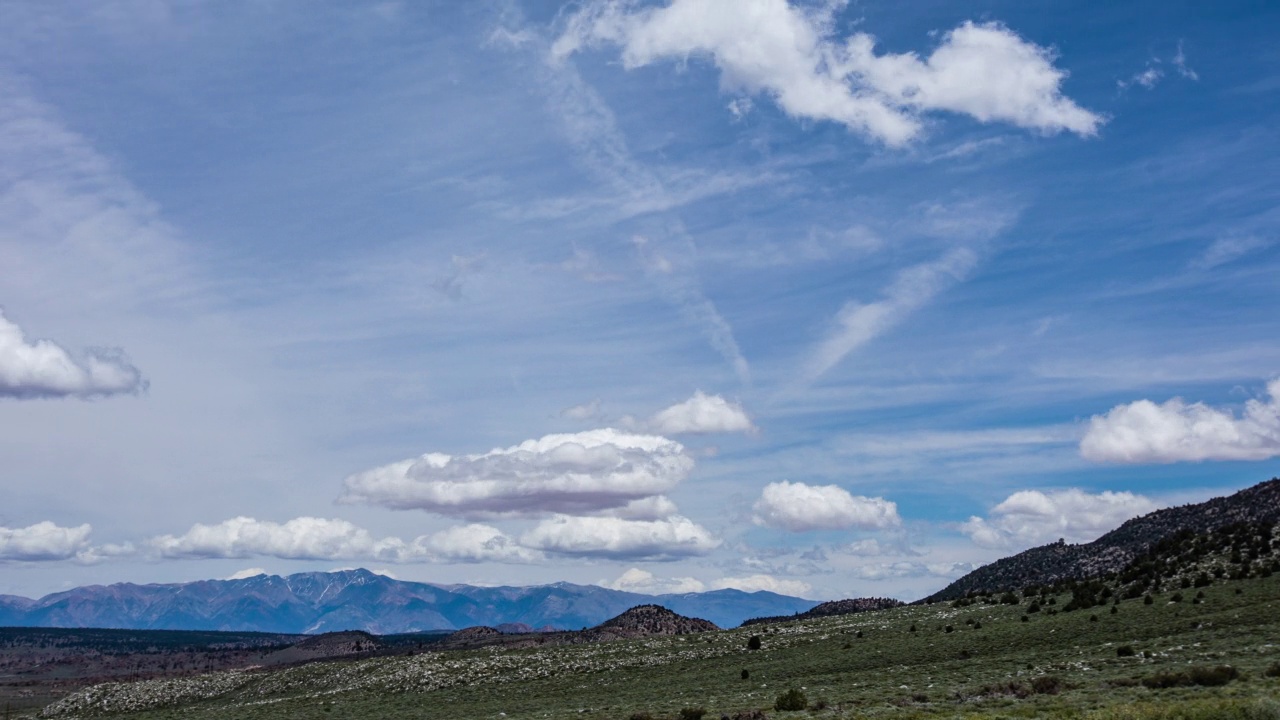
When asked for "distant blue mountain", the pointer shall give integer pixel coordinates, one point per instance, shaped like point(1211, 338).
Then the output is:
point(361, 600)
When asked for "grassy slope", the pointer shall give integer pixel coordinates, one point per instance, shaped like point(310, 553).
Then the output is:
point(873, 676)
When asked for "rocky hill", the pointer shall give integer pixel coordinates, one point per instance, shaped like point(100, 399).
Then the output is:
point(640, 621)
point(645, 620)
point(1258, 506)
point(834, 607)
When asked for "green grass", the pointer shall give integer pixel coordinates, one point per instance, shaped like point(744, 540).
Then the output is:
point(991, 672)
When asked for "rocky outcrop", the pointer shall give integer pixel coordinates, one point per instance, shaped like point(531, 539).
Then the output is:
point(834, 607)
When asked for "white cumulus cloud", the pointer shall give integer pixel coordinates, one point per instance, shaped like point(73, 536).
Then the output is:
point(309, 538)
point(43, 541)
point(1175, 431)
point(642, 581)
point(474, 543)
point(303, 538)
point(1032, 517)
point(701, 413)
point(568, 473)
point(794, 57)
point(800, 508)
point(43, 369)
point(610, 537)
point(756, 583)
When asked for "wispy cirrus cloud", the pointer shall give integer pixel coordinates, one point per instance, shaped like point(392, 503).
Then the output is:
point(858, 323)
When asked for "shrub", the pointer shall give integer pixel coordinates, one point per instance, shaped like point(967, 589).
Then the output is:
point(1033, 607)
point(641, 716)
point(1114, 609)
point(791, 700)
point(1176, 597)
point(1148, 600)
point(977, 626)
point(1163, 680)
point(948, 629)
point(858, 634)
point(912, 628)
point(1047, 685)
point(1213, 676)
point(753, 642)
point(1125, 651)
point(746, 675)
point(1273, 670)
point(1008, 599)
point(1093, 618)
point(1025, 618)
point(1206, 676)
point(692, 713)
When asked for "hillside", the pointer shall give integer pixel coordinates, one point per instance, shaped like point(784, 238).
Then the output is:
point(313, 603)
point(1257, 506)
point(1211, 658)
point(831, 609)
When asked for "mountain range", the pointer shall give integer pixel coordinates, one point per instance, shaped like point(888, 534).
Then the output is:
point(320, 602)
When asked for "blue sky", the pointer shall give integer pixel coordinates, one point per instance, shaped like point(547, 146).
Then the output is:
point(835, 299)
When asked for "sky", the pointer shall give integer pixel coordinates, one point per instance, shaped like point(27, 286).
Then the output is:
point(833, 299)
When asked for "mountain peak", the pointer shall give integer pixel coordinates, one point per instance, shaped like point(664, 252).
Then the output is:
point(643, 620)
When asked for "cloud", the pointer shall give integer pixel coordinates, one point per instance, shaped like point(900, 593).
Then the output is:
point(43, 541)
point(1224, 250)
point(858, 323)
point(304, 538)
point(1147, 78)
point(650, 508)
point(585, 411)
point(793, 56)
point(798, 507)
point(1144, 432)
point(569, 473)
point(42, 369)
point(701, 413)
point(1180, 63)
point(642, 581)
point(756, 583)
point(672, 269)
point(309, 538)
point(450, 284)
point(904, 569)
point(474, 543)
point(246, 573)
point(1032, 517)
point(608, 537)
